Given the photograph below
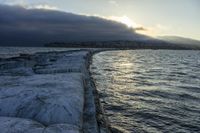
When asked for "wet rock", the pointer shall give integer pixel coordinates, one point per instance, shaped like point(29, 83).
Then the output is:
point(90, 121)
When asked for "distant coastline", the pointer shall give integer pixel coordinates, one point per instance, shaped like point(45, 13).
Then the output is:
point(125, 45)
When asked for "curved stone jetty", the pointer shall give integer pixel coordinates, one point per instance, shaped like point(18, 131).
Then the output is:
point(49, 93)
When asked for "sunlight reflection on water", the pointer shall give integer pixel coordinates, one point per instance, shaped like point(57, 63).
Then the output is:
point(150, 91)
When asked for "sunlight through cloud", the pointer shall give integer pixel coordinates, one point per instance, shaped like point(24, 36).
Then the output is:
point(125, 20)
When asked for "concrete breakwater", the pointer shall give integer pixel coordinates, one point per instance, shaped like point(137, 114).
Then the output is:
point(50, 93)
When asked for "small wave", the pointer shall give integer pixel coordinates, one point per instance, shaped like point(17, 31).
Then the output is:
point(159, 91)
point(191, 88)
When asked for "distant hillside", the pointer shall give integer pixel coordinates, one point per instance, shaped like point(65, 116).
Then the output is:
point(144, 44)
point(181, 41)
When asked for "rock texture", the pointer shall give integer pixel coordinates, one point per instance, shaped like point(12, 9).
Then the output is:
point(19, 125)
point(47, 93)
point(48, 99)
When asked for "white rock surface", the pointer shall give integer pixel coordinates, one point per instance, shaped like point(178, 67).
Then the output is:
point(49, 99)
point(47, 93)
point(16, 67)
point(19, 125)
point(62, 63)
point(62, 128)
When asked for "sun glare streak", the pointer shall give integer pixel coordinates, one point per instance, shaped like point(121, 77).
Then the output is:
point(125, 20)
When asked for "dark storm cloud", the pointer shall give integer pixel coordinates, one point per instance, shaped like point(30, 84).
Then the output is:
point(35, 27)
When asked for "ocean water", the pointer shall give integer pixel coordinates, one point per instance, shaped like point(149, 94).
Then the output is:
point(150, 91)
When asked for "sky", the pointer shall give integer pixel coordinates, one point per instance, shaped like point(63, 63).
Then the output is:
point(149, 17)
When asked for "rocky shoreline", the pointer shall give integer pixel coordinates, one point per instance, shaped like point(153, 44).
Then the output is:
point(50, 92)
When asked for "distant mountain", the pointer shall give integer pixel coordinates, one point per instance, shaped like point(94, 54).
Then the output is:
point(180, 40)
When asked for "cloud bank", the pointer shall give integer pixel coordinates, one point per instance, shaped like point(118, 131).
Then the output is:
point(36, 27)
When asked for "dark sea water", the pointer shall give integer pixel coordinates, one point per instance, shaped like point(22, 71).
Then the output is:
point(153, 91)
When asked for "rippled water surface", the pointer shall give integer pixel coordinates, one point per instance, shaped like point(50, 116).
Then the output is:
point(150, 91)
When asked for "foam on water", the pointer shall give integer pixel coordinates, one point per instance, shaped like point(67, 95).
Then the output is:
point(150, 90)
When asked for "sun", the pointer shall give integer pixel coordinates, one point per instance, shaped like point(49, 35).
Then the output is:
point(125, 20)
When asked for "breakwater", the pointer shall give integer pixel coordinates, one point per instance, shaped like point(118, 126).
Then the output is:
point(50, 92)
